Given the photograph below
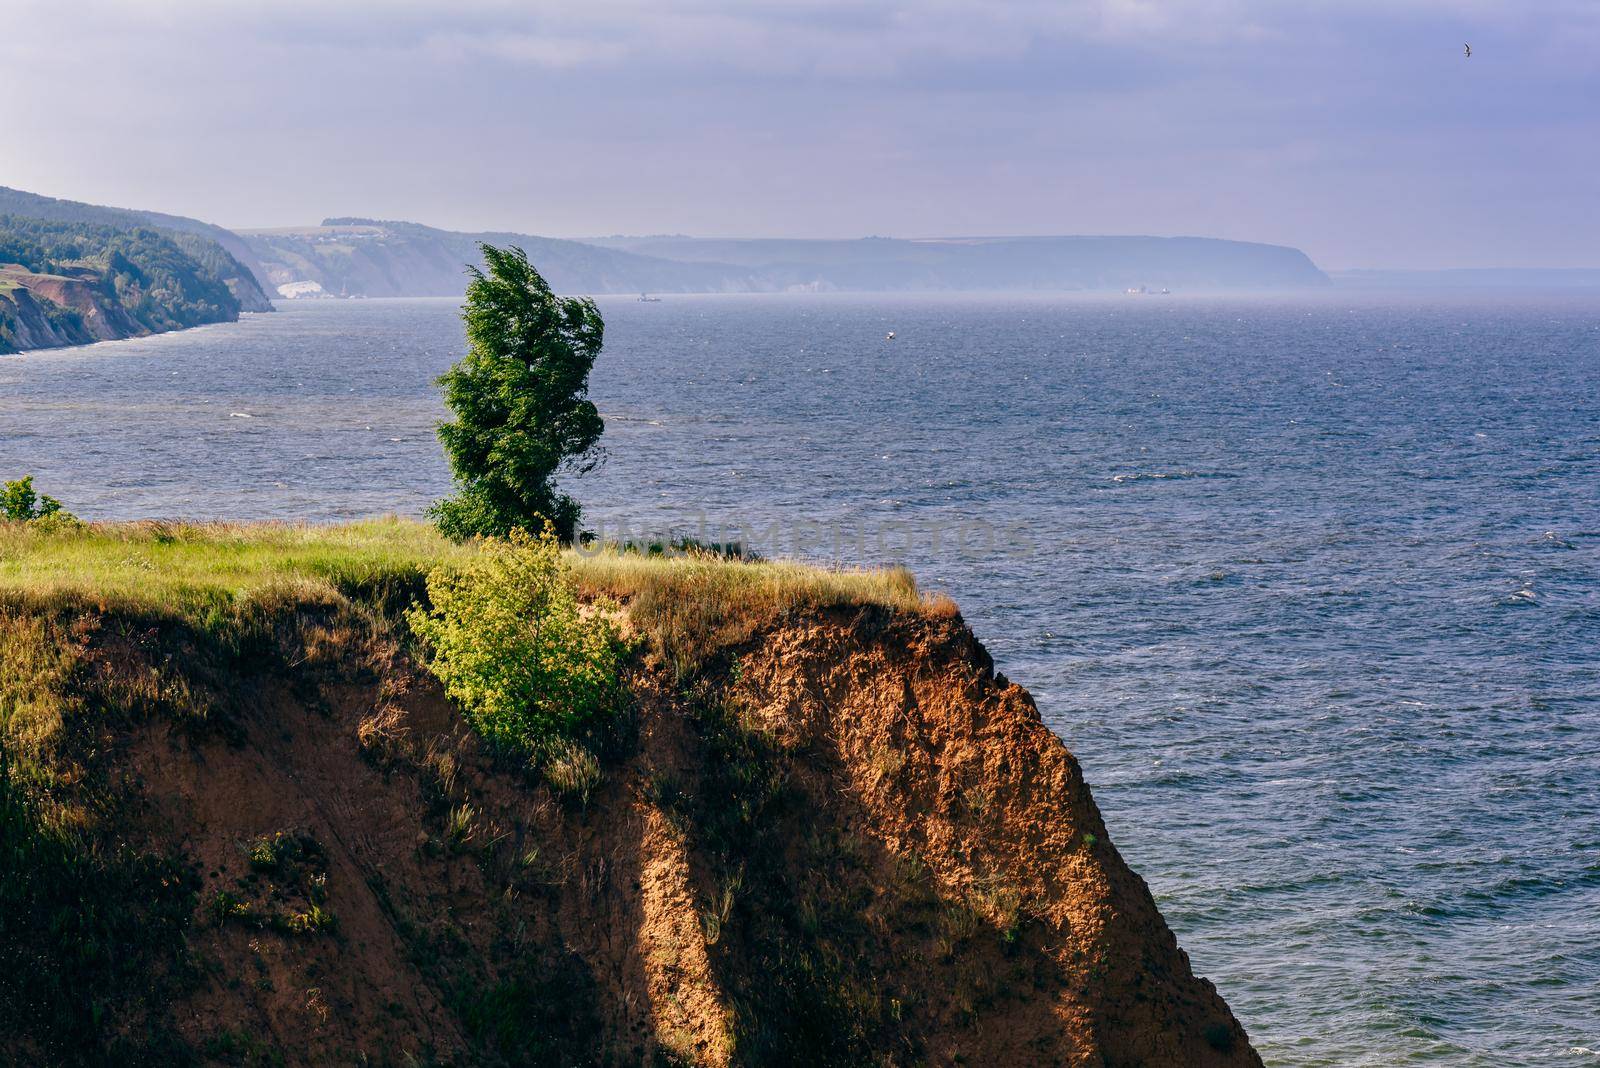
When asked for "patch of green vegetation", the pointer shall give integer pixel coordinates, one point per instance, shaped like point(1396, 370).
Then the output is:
point(684, 546)
point(235, 1046)
point(294, 869)
point(283, 854)
point(201, 572)
point(314, 920)
point(505, 635)
point(19, 503)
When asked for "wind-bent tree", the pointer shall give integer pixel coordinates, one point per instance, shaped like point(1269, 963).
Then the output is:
point(520, 398)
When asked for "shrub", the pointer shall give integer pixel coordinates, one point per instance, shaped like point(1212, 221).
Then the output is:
point(515, 652)
point(19, 503)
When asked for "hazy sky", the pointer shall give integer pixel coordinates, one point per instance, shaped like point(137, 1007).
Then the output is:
point(1354, 129)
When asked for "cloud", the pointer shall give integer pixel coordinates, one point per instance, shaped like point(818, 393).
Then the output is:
point(1335, 124)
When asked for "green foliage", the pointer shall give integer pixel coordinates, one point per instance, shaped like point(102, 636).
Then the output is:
point(520, 401)
point(217, 576)
point(164, 280)
point(19, 502)
point(513, 649)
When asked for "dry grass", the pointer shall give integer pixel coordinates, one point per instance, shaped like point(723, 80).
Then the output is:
point(691, 606)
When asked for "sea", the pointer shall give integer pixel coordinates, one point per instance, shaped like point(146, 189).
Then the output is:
point(1310, 584)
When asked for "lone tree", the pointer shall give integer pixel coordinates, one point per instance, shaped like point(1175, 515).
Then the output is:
point(520, 402)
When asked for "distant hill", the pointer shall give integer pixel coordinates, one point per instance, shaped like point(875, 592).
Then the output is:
point(996, 263)
point(71, 283)
point(376, 258)
point(220, 249)
point(352, 256)
point(366, 257)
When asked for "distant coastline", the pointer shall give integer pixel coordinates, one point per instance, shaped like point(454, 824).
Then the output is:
point(356, 257)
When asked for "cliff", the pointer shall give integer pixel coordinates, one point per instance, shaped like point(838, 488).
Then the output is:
point(48, 311)
point(70, 283)
point(241, 826)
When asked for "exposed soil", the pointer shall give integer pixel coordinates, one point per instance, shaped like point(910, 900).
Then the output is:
point(846, 842)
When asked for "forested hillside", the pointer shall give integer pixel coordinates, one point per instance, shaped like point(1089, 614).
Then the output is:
point(70, 283)
point(221, 251)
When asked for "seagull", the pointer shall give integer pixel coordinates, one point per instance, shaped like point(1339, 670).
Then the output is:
point(1469, 50)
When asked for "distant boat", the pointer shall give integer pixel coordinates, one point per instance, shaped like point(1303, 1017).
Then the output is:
point(645, 298)
point(889, 336)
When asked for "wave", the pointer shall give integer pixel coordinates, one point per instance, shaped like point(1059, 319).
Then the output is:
point(1169, 476)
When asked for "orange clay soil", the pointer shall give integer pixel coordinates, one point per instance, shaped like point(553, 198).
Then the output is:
point(846, 841)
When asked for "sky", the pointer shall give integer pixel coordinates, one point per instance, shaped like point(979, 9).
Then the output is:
point(1357, 130)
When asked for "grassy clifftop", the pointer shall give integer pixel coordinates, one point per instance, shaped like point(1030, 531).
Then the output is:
point(240, 824)
point(195, 570)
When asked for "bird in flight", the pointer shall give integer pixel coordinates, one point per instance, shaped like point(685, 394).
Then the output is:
point(1469, 50)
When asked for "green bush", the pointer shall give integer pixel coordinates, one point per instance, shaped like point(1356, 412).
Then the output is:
point(19, 503)
point(507, 638)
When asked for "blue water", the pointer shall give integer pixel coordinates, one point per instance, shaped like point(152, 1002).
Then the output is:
point(1311, 586)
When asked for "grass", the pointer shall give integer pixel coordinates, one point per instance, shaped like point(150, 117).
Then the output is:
point(180, 566)
point(691, 607)
point(186, 570)
point(688, 607)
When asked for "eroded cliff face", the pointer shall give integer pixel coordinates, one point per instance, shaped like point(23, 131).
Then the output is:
point(50, 311)
point(845, 841)
point(35, 303)
point(25, 323)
